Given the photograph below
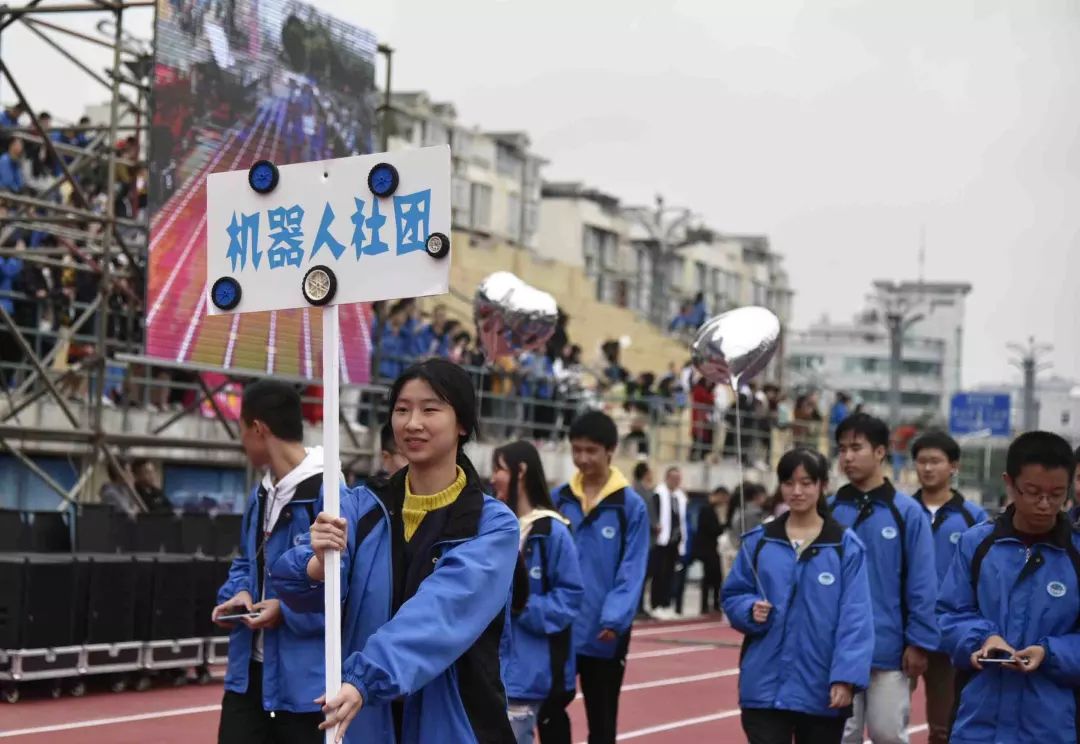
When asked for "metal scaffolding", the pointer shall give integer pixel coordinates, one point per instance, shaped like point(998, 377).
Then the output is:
point(97, 237)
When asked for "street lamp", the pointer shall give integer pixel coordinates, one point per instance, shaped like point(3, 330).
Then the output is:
point(662, 224)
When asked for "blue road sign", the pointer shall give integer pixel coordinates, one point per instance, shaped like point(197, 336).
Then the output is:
point(971, 413)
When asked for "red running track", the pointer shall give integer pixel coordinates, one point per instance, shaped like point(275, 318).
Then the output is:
point(681, 685)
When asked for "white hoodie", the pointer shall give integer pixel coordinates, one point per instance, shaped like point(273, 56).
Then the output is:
point(277, 496)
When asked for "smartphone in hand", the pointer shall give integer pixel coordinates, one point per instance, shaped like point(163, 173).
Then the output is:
point(997, 656)
point(237, 617)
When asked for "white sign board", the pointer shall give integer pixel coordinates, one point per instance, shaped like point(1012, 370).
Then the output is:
point(324, 214)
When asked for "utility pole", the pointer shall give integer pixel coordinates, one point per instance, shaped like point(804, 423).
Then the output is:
point(1029, 364)
point(387, 51)
point(662, 223)
point(899, 313)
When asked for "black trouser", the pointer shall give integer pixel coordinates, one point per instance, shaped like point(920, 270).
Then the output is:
point(552, 723)
point(601, 681)
point(243, 720)
point(711, 582)
point(663, 575)
point(768, 726)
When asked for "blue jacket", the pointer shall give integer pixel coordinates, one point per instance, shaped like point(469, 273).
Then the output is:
point(818, 632)
point(422, 620)
point(900, 560)
point(11, 175)
point(536, 653)
point(293, 652)
point(10, 268)
point(954, 518)
point(1027, 597)
point(427, 342)
point(613, 546)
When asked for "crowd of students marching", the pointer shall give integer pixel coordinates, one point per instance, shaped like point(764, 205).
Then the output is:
point(470, 617)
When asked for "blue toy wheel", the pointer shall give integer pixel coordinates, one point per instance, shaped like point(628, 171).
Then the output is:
point(263, 176)
point(383, 180)
point(226, 293)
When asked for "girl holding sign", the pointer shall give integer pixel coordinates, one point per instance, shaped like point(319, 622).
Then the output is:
point(427, 563)
point(537, 650)
point(799, 593)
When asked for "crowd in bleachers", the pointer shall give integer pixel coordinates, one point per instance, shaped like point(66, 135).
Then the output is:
point(46, 296)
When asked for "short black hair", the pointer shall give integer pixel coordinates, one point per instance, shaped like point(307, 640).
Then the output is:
point(596, 426)
point(1039, 448)
point(812, 461)
point(874, 429)
point(671, 469)
point(938, 440)
point(386, 439)
point(641, 470)
point(276, 404)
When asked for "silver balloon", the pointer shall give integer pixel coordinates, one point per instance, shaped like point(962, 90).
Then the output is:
point(512, 316)
point(736, 345)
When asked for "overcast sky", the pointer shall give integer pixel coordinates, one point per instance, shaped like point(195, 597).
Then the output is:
point(836, 128)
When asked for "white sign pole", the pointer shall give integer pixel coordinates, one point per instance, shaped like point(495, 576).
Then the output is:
point(331, 501)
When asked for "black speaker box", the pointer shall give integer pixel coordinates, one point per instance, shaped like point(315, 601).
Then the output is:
point(51, 607)
point(157, 533)
point(211, 573)
point(110, 581)
point(12, 575)
point(49, 532)
point(227, 534)
point(197, 534)
point(165, 595)
point(14, 532)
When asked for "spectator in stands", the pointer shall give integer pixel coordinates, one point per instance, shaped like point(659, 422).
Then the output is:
point(275, 670)
point(11, 167)
point(537, 385)
point(147, 485)
point(11, 269)
point(681, 322)
point(459, 348)
point(806, 429)
point(701, 419)
point(394, 342)
point(841, 409)
point(11, 116)
point(431, 340)
point(698, 314)
point(116, 492)
point(609, 522)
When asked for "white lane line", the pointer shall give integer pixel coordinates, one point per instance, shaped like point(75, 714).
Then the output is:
point(670, 681)
point(112, 721)
point(675, 724)
point(670, 652)
point(911, 730)
point(661, 630)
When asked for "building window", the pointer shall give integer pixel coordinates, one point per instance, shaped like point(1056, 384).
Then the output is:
point(461, 202)
point(599, 253)
point(805, 362)
point(677, 271)
point(481, 206)
point(508, 162)
point(701, 277)
point(513, 217)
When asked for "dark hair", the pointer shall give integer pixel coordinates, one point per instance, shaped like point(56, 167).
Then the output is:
point(938, 440)
point(1039, 448)
point(596, 426)
point(276, 404)
point(641, 470)
point(671, 469)
point(536, 488)
point(722, 489)
point(815, 465)
point(454, 387)
point(386, 439)
point(748, 490)
point(874, 429)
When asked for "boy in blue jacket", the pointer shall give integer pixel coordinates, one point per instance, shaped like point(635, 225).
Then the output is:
point(276, 665)
point(1012, 594)
point(937, 456)
point(903, 581)
point(611, 530)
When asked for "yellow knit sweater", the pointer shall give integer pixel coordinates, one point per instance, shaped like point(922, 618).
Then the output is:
point(416, 507)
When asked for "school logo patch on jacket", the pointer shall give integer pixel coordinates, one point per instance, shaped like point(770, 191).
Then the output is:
point(1055, 589)
point(608, 532)
point(826, 579)
point(889, 533)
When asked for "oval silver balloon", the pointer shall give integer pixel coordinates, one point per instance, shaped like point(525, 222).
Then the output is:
point(512, 316)
point(736, 345)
